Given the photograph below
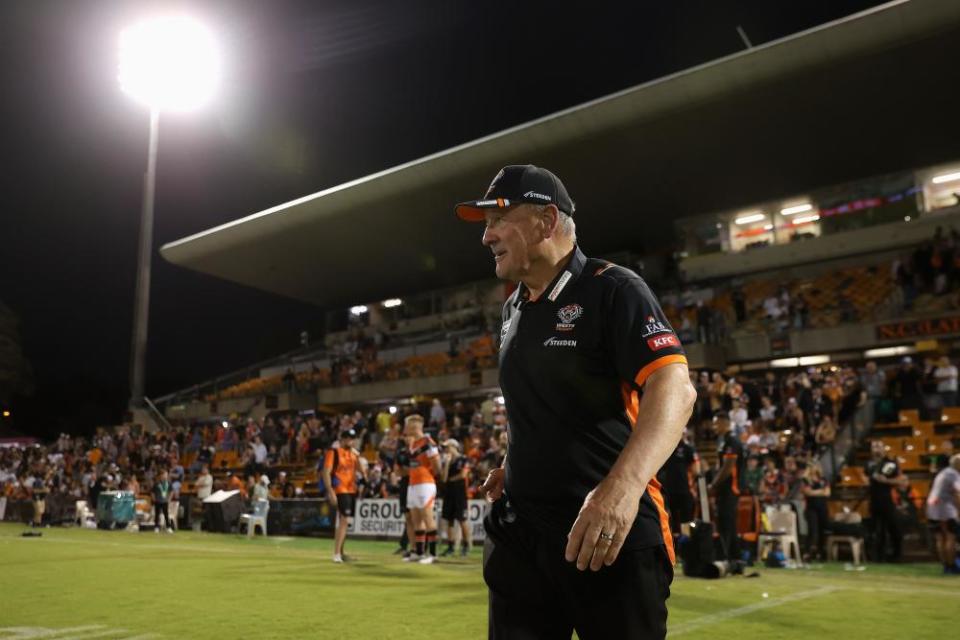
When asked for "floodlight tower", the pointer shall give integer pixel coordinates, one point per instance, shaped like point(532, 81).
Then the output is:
point(167, 64)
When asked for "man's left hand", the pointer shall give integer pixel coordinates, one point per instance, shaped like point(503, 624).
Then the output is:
point(609, 509)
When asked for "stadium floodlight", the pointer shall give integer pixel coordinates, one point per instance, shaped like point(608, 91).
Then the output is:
point(6, 414)
point(392, 302)
point(799, 208)
point(806, 219)
point(169, 63)
point(946, 177)
point(358, 310)
point(752, 217)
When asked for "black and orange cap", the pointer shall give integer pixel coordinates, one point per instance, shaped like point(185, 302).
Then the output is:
point(518, 184)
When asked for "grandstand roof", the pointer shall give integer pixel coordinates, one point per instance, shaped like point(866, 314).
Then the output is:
point(865, 95)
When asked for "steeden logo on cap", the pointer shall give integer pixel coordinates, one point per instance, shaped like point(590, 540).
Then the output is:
point(518, 184)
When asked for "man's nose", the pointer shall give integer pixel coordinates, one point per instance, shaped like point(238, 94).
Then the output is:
point(489, 237)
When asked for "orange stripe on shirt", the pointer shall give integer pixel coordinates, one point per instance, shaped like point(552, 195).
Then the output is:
point(653, 488)
point(659, 363)
point(631, 403)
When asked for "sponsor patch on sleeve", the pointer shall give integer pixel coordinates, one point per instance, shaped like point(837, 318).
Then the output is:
point(662, 342)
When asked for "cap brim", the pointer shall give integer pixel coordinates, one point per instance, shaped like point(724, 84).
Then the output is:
point(474, 211)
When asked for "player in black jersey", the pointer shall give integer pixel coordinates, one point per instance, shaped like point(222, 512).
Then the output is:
point(401, 462)
point(454, 478)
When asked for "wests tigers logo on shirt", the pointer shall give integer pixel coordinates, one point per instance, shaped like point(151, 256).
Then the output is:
point(568, 315)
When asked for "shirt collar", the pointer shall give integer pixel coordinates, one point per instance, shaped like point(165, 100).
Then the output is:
point(570, 273)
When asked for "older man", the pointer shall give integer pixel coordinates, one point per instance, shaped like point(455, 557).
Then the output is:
point(578, 538)
point(943, 507)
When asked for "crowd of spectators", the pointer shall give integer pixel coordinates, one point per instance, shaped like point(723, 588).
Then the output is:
point(933, 267)
point(710, 315)
point(788, 424)
point(278, 455)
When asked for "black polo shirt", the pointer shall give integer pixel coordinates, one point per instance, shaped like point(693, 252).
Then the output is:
point(880, 493)
point(572, 369)
point(729, 448)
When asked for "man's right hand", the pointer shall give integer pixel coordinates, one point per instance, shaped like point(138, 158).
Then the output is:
point(332, 498)
point(492, 488)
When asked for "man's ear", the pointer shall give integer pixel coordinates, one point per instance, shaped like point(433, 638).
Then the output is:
point(550, 219)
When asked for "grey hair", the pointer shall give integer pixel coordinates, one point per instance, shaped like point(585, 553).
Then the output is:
point(568, 228)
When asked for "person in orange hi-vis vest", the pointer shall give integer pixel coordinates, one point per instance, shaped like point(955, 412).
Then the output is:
point(340, 466)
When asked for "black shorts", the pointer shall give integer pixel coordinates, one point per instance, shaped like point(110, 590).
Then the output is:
point(346, 504)
point(944, 526)
point(404, 483)
point(455, 502)
point(536, 593)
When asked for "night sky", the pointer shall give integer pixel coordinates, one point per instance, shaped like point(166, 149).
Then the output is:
point(314, 94)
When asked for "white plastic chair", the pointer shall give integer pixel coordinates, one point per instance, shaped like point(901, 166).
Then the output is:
point(258, 517)
point(783, 529)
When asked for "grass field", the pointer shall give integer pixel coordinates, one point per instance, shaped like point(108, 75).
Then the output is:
point(112, 585)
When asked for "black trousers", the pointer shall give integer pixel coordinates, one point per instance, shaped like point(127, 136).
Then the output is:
point(535, 594)
point(727, 525)
point(885, 523)
point(158, 508)
point(816, 514)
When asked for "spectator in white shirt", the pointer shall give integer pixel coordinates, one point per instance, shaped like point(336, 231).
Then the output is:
point(768, 412)
point(771, 307)
point(738, 418)
point(204, 483)
point(946, 376)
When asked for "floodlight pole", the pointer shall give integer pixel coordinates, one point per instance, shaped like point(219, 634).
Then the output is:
point(141, 304)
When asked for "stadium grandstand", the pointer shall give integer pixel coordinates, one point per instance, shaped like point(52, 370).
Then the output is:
point(818, 304)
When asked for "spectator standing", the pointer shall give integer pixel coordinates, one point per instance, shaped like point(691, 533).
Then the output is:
point(161, 500)
point(905, 385)
point(884, 474)
point(946, 377)
point(739, 305)
point(738, 418)
point(261, 490)
point(204, 484)
point(259, 455)
point(174, 507)
point(438, 416)
point(816, 491)
point(874, 383)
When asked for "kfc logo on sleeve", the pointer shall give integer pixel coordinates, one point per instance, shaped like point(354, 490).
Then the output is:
point(662, 342)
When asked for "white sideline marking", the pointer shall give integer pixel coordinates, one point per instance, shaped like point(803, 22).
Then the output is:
point(76, 633)
point(713, 618)
point(33, 633)
point(903, 590)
